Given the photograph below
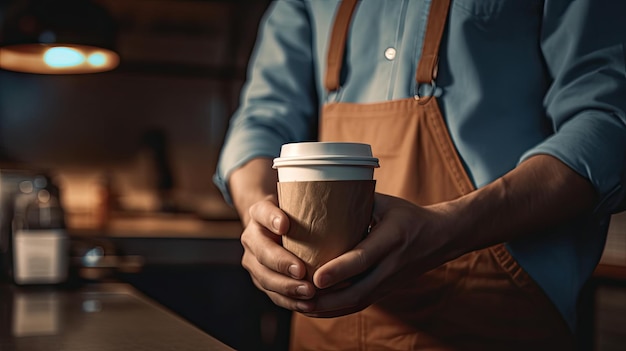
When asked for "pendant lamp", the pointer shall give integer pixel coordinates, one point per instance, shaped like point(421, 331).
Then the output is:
point(57, 37)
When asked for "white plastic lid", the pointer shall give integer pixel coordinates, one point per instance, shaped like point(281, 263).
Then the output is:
point(326, 153)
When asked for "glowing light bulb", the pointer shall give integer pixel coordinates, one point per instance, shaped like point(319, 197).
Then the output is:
point(61, 56)
point(97, 59)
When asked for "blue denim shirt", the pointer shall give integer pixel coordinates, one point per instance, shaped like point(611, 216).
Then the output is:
point(516, 78)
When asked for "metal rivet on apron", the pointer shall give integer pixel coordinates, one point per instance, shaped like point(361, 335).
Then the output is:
point(429, 92)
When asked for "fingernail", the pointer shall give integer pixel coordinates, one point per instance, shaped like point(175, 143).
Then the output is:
point(294, 271)
point(276, 223)
point(302, 290)
point(303, 306)
point(323, 281)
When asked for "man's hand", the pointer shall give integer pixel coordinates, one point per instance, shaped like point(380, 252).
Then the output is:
point(408, 240)
point(274, 270)
point(405, 242)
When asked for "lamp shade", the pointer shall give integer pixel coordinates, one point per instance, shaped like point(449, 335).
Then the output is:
point(58, 37)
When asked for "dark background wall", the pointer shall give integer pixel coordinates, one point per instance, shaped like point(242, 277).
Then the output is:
point(183, 63)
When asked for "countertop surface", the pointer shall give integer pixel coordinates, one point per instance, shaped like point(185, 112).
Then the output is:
point(93, 317)
point(163, 225)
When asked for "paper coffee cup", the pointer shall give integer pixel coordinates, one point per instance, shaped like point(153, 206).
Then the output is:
point(327, 190)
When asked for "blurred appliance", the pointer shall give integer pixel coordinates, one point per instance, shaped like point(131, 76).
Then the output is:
point(34, 247)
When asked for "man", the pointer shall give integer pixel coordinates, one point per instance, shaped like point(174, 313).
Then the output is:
point(501, 130)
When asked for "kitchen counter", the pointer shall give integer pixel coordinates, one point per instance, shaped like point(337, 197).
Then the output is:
point(189, 266)
point(164, 239)
point(102, 316)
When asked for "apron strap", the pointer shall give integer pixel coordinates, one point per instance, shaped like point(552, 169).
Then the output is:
point(337, 43)
point(427, 66)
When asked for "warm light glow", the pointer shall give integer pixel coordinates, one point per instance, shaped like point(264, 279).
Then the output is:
point(57, 59)
point(62, 56)
point(97, 59)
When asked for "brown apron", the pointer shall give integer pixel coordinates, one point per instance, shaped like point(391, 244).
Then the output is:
point(480, 301)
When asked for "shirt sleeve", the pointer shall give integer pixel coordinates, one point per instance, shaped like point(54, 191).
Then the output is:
point(583, 47)
point(278, 102)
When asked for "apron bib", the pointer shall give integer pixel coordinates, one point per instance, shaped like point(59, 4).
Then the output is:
point(482, 300)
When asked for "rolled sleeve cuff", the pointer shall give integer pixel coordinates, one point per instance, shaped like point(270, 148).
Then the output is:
point(594, 145)
point(240, 149)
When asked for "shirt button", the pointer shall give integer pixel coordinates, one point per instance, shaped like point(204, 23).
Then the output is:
point(390, 54)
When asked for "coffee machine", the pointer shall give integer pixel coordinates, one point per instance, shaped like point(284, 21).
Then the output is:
point(33, 239)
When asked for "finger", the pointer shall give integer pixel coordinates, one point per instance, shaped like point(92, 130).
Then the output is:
point(268, 219)
point(384, 239)
point(366, 254)
point(271, 281)
point(270, 216)
point(287, 302)
point(370, 288)
point(261, 244)
point(349, 300)
point(290, 304)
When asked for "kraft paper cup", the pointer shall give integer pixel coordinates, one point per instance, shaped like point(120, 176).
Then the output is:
point(327, 190)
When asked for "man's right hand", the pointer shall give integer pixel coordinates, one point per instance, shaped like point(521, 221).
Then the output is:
point(273, 269)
